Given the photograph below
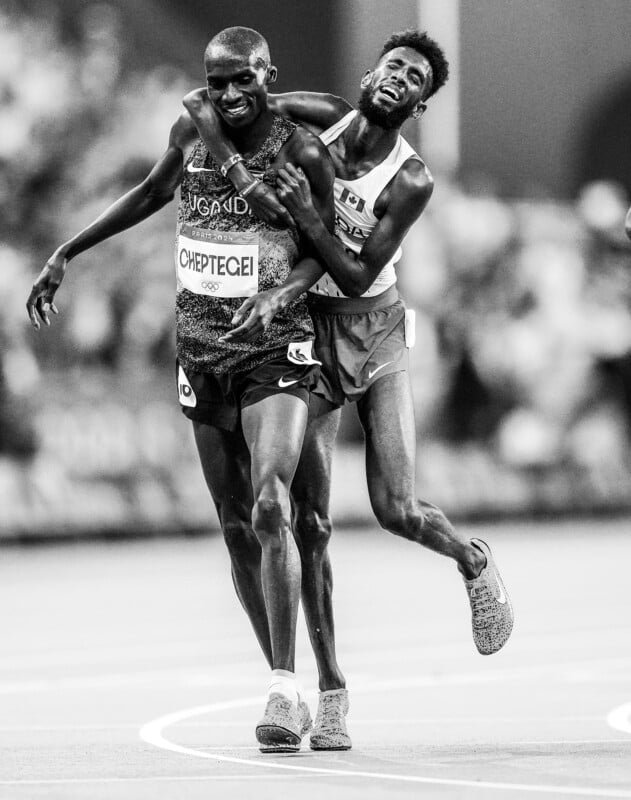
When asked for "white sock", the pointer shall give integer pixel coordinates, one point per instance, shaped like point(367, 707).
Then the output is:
point(284, 682)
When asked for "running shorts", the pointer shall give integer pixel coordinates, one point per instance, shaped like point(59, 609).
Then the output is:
point(358, 340)
point(217, 398)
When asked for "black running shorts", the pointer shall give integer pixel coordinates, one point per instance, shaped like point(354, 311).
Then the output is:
point(358, 341)
point(217, 398)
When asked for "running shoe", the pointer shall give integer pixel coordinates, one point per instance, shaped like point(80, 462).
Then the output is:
point(329, 731)
point(491, 610)
point(280, 730)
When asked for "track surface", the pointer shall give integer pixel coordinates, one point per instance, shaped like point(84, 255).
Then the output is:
point(103, 644)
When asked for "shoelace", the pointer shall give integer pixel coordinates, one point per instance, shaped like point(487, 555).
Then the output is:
point(483, 603)
point(330, 715)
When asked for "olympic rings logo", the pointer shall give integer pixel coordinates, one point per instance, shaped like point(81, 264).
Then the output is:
point(211, 286)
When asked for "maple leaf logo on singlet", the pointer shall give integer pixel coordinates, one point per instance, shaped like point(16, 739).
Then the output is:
point(352, 201)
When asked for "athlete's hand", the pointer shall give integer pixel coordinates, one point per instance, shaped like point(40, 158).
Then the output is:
point(43, 292)
point(253, 316)
point(294, 192)
point(264, 203)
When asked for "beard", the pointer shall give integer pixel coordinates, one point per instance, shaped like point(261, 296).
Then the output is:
point(388, 119)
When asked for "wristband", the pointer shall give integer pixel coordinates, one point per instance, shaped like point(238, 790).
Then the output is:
point(249, 188)
point(229, 163)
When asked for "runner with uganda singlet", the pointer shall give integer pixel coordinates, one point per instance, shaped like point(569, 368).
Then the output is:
point(248, 400)
point(381, 188)
point(223, 254)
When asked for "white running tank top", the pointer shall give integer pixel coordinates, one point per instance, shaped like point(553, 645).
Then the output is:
point(354, 209)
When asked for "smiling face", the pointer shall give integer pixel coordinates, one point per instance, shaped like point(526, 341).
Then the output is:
point(394, 90)
point(237, 84)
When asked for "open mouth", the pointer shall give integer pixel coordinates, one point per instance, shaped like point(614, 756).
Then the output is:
point(391, 93)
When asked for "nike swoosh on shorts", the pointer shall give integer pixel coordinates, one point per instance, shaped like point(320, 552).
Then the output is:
point(376, 370)
point(283, 383)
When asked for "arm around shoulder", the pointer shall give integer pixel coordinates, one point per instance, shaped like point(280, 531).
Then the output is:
point(310, 108)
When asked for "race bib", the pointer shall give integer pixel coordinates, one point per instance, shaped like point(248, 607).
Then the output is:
point(217, 263)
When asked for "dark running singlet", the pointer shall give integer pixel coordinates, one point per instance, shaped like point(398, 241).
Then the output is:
point(224, 254)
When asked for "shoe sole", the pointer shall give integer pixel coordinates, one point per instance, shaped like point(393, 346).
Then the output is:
point(276, 739)
point(338, 747)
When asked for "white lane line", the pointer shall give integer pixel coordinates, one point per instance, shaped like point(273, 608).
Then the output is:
point(547, 742)
point(152, 734)
point(620, 718)
point(63, 781)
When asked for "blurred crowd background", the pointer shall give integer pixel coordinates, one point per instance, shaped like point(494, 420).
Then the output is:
point(519, 270)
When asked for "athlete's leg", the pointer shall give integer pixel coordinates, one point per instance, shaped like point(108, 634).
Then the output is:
point(312, 528)
point(387, 416)
point(273, 429)
point(225, 462)
point(310, 493)
point(386, 413)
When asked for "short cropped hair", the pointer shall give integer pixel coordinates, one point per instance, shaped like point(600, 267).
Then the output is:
point(242, 40)
point(427, 47)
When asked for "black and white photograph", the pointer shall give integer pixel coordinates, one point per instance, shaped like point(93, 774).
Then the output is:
point(315, 399)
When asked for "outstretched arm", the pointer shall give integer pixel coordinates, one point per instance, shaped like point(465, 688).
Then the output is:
point(354, 273)
point(139, 203)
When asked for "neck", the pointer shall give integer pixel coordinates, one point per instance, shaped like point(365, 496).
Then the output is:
point(367, 137)
point(248, 140)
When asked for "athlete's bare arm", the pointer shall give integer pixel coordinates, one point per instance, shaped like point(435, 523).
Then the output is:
point(314, 111)
point(139, 203)
point(399, 206)
point(627, 224)
point(306, 150)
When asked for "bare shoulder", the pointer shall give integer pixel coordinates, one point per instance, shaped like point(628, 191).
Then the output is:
point(414, 180)
point(183, 131)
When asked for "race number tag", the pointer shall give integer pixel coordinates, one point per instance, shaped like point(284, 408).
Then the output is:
point(218, 263)
point(410, 327)
point(302, 353)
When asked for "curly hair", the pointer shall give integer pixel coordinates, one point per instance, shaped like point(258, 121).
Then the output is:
point(427, 47)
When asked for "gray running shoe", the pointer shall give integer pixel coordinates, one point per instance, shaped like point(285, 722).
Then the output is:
point(491, 610)
point(329, 731)
point(280, 730)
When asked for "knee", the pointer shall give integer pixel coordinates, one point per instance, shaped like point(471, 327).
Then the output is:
point(313, 529)
point(270, 519)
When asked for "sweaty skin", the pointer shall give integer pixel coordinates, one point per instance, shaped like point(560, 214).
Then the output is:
point(358, 150)
point(386, 409)
point(261, 457)
point(158, 189)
